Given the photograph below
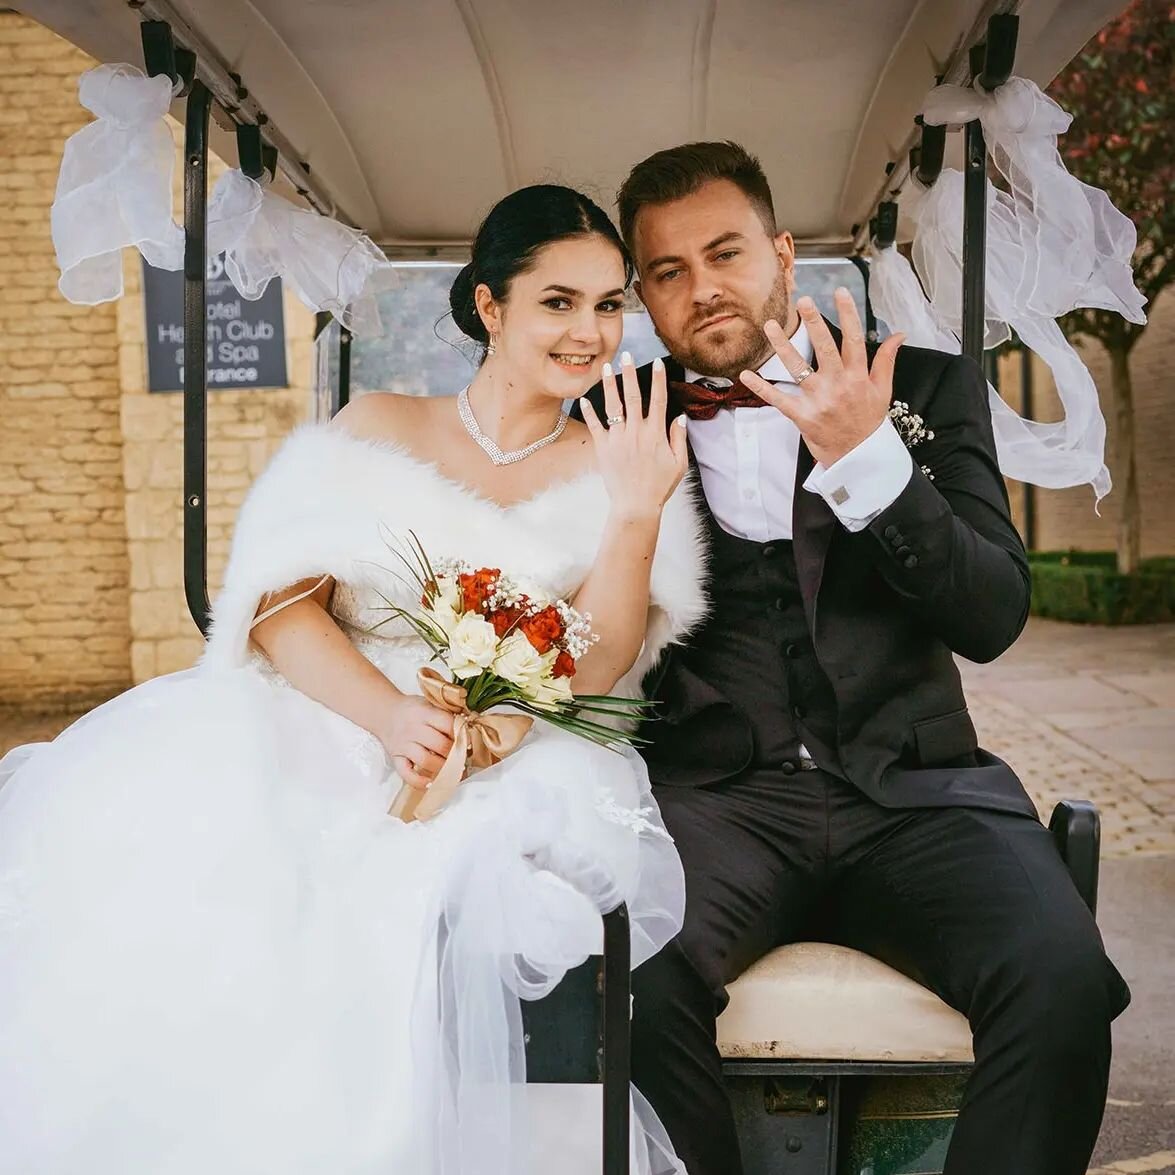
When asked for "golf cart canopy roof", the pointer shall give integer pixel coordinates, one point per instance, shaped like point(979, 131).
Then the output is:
point(410, 119)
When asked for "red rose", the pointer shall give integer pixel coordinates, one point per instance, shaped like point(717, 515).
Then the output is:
point(543, 629)
point(564, 665)
point(476, 587)
point(504, 619)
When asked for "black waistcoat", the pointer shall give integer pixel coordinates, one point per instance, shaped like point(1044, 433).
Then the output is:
point(750, 675)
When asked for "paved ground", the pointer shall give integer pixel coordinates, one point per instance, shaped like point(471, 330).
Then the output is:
point(1089, 713)
point(1084, 713)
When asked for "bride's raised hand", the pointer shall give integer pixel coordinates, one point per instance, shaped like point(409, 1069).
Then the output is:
point(417, 737)
point(640, 462)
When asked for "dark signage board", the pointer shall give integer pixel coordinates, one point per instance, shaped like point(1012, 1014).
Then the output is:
point(246, 340)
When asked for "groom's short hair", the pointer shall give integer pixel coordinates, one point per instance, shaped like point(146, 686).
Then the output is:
point(680, 171)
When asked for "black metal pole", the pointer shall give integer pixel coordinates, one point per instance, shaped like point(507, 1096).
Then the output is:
point(991, 65)
point(862, 267)
point(344, 397)
point(974, 231)
point(195, 366)
point(1026, 408)
point(617, 1058)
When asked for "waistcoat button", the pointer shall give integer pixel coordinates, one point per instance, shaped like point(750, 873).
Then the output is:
point(788, 767)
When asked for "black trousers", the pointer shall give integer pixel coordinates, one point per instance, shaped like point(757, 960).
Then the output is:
point(975, 904)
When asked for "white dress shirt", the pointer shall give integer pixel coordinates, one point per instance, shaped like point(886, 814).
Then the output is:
point(747, 459)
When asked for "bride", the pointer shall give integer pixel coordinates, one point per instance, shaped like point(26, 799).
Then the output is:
point(218, 952)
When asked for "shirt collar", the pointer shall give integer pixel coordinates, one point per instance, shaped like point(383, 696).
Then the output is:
point(773, 370)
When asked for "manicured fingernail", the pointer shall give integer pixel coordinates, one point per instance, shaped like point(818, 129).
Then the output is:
point(771, 322)
point(658, 364)
point(681, 420)
point(843, 292)
point(607, 369)
point(626, 358)
point(584, 401)
point(745, 376)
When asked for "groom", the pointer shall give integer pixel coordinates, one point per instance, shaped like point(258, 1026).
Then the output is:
point(815, 761)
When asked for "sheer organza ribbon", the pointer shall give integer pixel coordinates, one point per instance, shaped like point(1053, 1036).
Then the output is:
point(1051, 455)
point(1053, 244)
point(328, 265)
point(115, 190)
point(114, 186)
point(479, 740)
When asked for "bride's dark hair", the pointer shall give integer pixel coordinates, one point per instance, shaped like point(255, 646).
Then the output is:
point(510, 238)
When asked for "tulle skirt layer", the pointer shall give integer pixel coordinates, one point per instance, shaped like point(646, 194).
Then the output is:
point(218, 952)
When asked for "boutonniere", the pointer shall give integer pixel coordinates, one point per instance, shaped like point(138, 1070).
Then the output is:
point(911, 428)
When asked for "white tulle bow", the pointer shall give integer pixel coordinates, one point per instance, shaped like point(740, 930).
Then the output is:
point(114, 187)
point(115, 190)
point(328, 265)
point(1054, 244)
point(1055, 455)
point(1078, 246)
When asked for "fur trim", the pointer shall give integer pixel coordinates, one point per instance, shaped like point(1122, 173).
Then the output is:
point(328, 502)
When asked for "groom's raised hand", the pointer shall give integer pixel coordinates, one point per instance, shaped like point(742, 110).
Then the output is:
point(843, 401)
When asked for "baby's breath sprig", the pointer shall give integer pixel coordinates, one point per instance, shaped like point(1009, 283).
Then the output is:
point(911, 428)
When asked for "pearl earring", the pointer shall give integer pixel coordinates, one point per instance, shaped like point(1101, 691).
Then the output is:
point(492, 345)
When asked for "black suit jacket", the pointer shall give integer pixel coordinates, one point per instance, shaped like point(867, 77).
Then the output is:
point(940, 571)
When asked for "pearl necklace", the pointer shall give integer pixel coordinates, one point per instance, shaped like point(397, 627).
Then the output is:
point(490, 447)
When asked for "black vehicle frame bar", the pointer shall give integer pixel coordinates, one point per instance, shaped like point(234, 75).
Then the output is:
point(991, 65)
point(195, 355)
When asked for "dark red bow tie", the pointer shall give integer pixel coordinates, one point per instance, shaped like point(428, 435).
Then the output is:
point(703, 401)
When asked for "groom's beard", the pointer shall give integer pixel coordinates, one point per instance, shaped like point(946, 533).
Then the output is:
point(729, 348)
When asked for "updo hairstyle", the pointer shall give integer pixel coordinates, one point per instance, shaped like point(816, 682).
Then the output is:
point(511, 237)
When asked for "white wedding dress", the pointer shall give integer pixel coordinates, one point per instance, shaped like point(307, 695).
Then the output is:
point(219, 954)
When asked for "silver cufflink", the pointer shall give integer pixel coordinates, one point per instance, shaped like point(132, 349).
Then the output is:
point(840, 495)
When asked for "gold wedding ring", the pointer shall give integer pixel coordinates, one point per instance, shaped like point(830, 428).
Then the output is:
point(803, 374)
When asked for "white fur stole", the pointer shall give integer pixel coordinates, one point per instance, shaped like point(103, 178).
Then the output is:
point(328, 502)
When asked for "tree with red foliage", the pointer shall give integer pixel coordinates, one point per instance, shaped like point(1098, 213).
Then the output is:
point(1119, 89)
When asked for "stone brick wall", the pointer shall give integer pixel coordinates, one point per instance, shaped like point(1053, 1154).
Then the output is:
point(64, 570)
point(1066, 518)
point(91, 556)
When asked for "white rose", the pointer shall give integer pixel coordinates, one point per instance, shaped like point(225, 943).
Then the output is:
point(551, 690)
point(445, 609)
point(472, 645)
point(518, 662)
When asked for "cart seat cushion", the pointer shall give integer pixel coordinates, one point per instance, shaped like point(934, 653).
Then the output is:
point(812, 1000)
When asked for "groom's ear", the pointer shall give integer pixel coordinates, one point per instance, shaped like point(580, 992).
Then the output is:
point(636, 289)
point(785, 248)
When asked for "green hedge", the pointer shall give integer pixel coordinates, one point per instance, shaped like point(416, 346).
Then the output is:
point(1084, 587)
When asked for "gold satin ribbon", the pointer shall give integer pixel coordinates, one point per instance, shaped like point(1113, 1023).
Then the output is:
point(479, 740)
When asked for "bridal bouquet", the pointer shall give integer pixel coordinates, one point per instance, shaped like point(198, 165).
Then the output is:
point(502, 643)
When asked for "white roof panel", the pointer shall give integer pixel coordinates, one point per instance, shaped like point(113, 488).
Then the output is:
point(415, 116)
